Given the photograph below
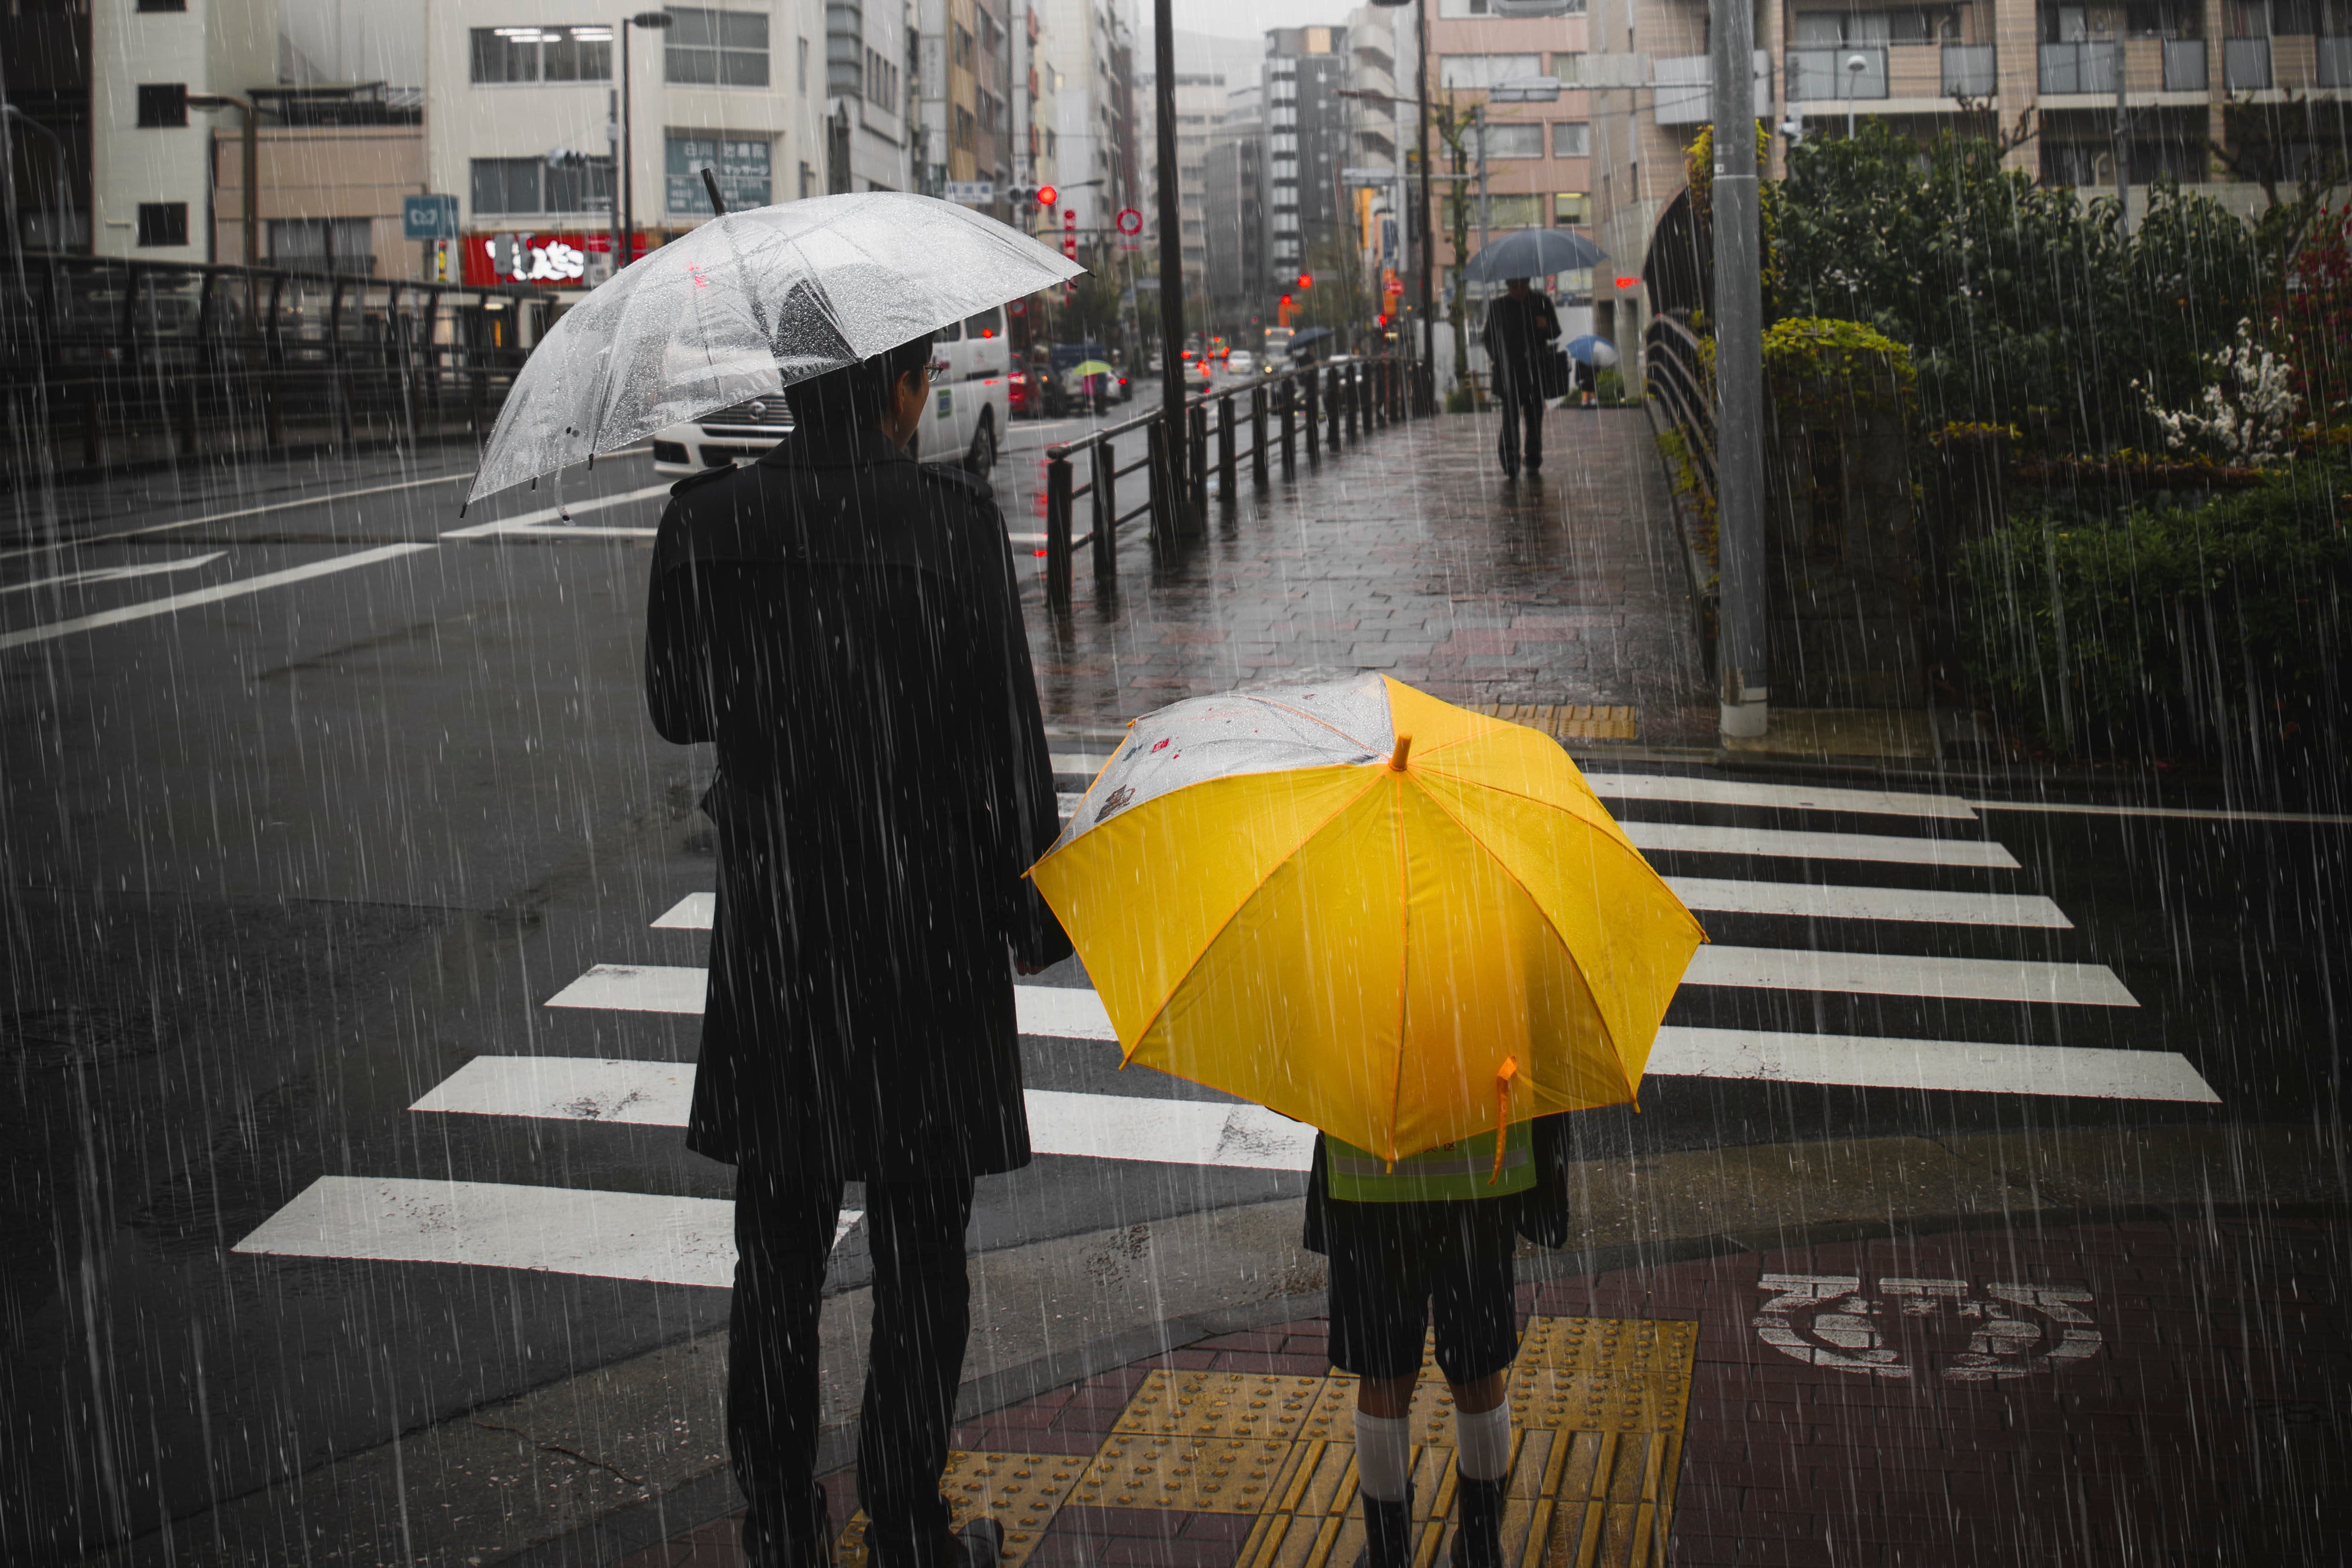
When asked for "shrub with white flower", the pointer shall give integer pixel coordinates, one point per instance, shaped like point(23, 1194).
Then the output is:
point(2247, 414)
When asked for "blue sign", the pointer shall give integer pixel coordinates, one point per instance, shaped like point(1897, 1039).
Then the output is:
point(428, 217)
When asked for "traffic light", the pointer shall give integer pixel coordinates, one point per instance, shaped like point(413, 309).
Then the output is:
point(1285, 300)
point(1047, 195)
point(1306, 280)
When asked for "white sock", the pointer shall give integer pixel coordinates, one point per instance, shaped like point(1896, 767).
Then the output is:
point(1483, 1450)
point(1383, 1456)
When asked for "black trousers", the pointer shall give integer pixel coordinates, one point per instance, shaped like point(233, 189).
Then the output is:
point(1520, 408)
point(785, 1223)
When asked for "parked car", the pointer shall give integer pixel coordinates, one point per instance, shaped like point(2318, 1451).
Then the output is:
point(972, 402)
point(1021, 395)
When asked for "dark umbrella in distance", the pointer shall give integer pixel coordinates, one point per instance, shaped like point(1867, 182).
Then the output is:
point(1533, 253)
point(1309, 339)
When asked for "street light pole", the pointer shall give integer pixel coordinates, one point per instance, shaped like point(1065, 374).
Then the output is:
point(1743, 652)
point(1854, 66)
point(1428, 196)
point(625, 176)
point(1172, 242)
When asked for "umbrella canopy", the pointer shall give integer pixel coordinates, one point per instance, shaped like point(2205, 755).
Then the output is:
point(1598, 353)
point(1533, 253)
point(748, 304)
point(1300, 340)
point(1093, 368)
point(1397, 920)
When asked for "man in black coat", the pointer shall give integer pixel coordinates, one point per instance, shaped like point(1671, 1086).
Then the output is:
point(1520, 328)
point(846, 626)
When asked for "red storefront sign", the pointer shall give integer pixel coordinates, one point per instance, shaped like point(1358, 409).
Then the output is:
point(558, 260)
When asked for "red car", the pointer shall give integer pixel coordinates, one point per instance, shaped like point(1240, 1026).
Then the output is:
point(1021, 384)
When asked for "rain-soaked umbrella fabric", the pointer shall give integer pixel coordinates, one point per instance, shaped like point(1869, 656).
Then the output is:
point(1533, 253)
point(1392, 918)
point(1598, 353)
point(748, 304)
point(1299, 339)
point(1093, 368)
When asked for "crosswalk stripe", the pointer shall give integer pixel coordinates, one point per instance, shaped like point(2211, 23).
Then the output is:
point(692, 913)
point(637, 988)
point(1789, 845)
point(546, 1230)
point(1819, 901)
point(1098, 1126)
point(1908, 975)
point(1785, 797)
point(1969, 1066)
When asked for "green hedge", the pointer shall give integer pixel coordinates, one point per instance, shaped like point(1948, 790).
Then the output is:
point(2204, 630)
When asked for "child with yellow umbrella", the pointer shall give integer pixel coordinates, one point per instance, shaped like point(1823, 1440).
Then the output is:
point(1416, 929)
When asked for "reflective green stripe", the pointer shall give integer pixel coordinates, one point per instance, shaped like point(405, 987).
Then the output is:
point(1451, 1173)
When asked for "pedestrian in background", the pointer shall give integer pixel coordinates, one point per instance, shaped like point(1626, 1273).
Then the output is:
point(846, 626)
point(1430, 1238)
point(1521, 327)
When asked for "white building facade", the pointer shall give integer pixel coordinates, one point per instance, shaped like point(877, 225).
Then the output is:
point(151, 155)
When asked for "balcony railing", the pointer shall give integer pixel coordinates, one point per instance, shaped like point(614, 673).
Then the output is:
point(1685, 87)
point(2080, 68)
point(1821, 76)
point(2335, 61)
point(1971, 70)
point(2184, 65)
point(2245, 64)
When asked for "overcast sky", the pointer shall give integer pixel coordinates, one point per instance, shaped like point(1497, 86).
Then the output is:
point(1249, 18)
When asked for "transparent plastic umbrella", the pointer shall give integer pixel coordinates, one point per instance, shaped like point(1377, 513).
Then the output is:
point(748, 304)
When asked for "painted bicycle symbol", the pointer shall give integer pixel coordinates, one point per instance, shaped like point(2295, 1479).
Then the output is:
point(1969, 1335)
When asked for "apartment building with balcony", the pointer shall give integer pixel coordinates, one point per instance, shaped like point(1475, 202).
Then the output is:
point(966, 57)
point(2218, 94)
point(1538, 155)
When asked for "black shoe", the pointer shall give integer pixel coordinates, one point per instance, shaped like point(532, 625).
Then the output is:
point(978, 1545)
point(1388, 1532)
point(1478, 1523)
point(779, 1537)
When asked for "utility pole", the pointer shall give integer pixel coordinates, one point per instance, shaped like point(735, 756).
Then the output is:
point(2122, 142)
point(1428, 196)
point(1743, 650)
point(1171, 241)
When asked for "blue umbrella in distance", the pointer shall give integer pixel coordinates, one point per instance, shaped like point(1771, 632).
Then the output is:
point(1598, 353)
point(1534, 253)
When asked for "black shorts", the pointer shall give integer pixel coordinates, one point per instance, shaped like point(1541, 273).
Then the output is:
point(1395, 1264)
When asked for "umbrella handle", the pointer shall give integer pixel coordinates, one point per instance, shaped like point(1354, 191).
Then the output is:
point(1503, 1076)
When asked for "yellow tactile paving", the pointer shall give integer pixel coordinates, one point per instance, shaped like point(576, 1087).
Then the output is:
point(1597, 1406)
point(1568, 721)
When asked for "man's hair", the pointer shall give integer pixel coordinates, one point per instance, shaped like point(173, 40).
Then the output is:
point(855, 396)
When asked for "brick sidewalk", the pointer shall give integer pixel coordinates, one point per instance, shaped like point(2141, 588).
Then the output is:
point(2160, 1391)
point(1408, 553)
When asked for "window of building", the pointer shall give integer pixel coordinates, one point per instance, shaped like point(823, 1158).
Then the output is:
point(881, 79)
point(800, 71)
point(583, 53)
point(345, 245)
point(808, 182)
point(1568, 68)
point(1903, 24)
point(162, 5)
point(960, 44)
point(1473, 72)
point(1514, 212)
point(1571, 208)
point(1515, 141)
point(523, 185)
point(1571, 138)
point(163, 222)
point(739, 162)
point(163, 104)
point(716, 48)
point(967, 129)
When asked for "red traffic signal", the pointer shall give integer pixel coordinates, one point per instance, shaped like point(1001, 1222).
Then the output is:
point(1047, 195)
point(1285, 299)
point(1306, 280)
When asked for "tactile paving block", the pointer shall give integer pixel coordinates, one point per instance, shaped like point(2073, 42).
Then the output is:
point(1020, 1491)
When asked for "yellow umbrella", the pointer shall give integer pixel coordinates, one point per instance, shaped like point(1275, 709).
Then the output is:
point(1396, 920)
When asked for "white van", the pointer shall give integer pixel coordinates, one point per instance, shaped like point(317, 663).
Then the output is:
point(970, 410)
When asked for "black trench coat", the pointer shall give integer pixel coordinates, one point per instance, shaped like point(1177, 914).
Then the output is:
point(847, 626)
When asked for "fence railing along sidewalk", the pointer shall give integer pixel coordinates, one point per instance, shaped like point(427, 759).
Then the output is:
point(105, 361)
point(1326, 405)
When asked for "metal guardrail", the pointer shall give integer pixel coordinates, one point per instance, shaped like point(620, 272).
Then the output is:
point(1676, 366)
point(106, 361)
point(1328, 402)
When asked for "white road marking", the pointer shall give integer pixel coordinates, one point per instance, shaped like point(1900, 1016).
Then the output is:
point(1831, 902)
point(213, 595)
point(1787, 797)
point(546, 1230)
point(531, 522)
point(637, 988)
point(2191, 813)
point(692, 913)
point(1906, 975)
point(1967, 1066)
point(1788, 844)
point(115, 573)
point(229, 517)
point(1098, 1126)
point(1066, 1012)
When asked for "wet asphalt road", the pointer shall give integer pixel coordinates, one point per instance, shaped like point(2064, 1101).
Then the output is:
point(283, 858)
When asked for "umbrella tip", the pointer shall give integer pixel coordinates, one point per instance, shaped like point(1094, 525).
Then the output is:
point(1403, 749)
